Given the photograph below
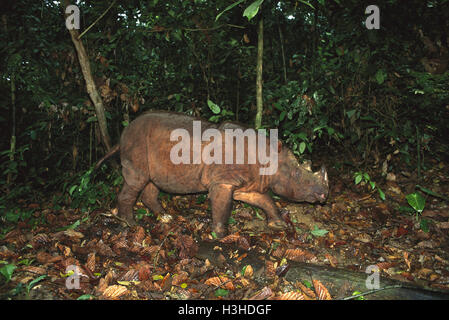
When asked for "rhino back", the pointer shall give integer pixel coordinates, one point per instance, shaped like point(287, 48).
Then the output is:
point(146, 144)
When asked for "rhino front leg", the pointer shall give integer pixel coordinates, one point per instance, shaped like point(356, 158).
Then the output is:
point(149, 198)
point(220, 196)
point(264, 202)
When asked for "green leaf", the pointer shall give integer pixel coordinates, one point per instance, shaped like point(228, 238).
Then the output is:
point(305, 2)
point(350, 113)
point(85, 297)
point(231, 220)
point(307, 284)
point(221, 292)
point(424, 224)
point(228, 8)
point(72, 189)
point(302, 147)
point(213, 107)
point(35, 281)
point(91, 119)
point(416, 201)
point(252, 9)
point(7, 271)
point(282, 115)
point(318, 232)
point(243, 270)
point(358, 178)
point(381, 75)
point(381, 194)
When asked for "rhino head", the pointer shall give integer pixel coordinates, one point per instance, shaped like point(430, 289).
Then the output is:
point(297, 182)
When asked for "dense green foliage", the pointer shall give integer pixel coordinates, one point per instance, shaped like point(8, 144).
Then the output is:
point(361, 93)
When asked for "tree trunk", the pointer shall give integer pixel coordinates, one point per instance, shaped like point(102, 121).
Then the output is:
point(281, 40)
point(12, 150)
point(259, 99)
point(83, 59)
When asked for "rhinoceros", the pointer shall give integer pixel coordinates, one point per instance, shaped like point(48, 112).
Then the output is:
point(147, 148)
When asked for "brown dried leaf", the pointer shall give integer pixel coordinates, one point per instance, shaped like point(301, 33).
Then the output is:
point(35, 270)
point(130, 275)
point(332, 260)
point(115, 291)
point(39, 240)
point(104, 250)
point(248, 271)
point(243, 243)
point(385, 265)
point(180, 278)
point(263, 294)
point(73, 234)
point(43, 257)
point(270, 270)
point(309, 294)
point(138, 235)
point(220, 281)
point(299, 255)
point(166, 282)
point(278, 252)
point(322, 292)
point(187, 246)
point(91, 261)
point(407, 261)
point(144, 272)
point(292, 295)
point(234, 237)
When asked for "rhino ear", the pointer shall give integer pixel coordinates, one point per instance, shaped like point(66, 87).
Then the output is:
point(307, 164)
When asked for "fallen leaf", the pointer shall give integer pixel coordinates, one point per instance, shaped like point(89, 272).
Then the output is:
point(220, 282)
point(292, 295)
point(321, 291)
point(248, 272)
point(332, 260)
point(299, 255)
point(308, 292)
point(262, 294)
point(91, 261)
point(115, 291)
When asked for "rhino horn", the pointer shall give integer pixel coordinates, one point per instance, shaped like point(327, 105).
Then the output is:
point(323, 173)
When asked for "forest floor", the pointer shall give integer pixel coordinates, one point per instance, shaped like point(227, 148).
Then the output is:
point(164, 257)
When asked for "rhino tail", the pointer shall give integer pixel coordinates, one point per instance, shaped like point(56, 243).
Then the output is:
point(111, 152)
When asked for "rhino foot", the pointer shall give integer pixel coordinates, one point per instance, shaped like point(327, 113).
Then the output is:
point(277, 225)
point(130, 222)
point(220, 232)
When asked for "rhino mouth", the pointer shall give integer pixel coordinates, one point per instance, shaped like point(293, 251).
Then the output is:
point(320, 197)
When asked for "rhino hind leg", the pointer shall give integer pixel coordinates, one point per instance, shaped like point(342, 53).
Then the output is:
point(220, 196)
point(135, 181)
point(264, 202)
point(149, 198)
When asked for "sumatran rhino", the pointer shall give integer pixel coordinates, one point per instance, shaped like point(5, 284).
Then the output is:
point(180, 154)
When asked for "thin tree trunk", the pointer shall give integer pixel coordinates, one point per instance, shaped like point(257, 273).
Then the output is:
point(258, 122)
point(83, 59)
point(281, 39)
point(12, 150)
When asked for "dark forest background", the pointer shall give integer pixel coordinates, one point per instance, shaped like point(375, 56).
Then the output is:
point(356, 97)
